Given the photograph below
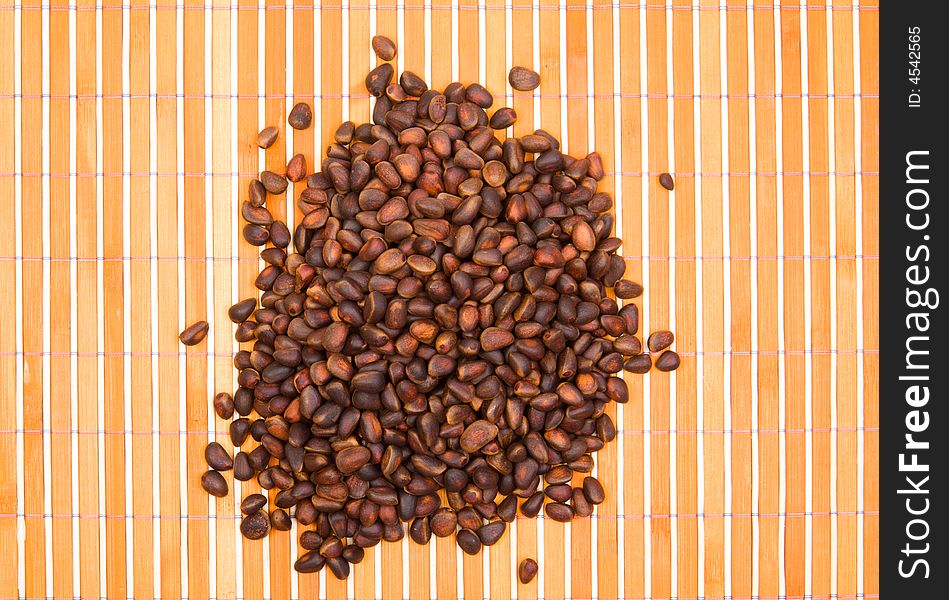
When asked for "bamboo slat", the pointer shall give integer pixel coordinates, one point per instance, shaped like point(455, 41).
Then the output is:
point(9, 561)
point(869, 26)
point(792, 186)
point(819, 221)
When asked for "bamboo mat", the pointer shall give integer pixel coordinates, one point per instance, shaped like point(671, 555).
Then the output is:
point(126, 143)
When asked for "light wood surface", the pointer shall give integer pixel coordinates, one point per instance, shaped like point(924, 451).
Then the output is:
point(750, 472)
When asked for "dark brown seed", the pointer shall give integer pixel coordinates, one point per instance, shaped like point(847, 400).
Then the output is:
point(256, 193)
point(420, 531)
point(255, 526)
point(296, 168)
point(495, 338)
point(354, 554)
point(638, 364)
point(581, 506)
point(214, 483)
point(339, 566)
point(593, 490)
point(468, 542)
point(444, 522)
point(252, 503)
point(559, 512)
point(625, 288)
point(583, 237)
point(379, 78)
point(412, 84)
point(477, 435)
point(523, 79)
point(660, 340)
point(280, 520)
point(667, 361)
point(503, 118)
point(300, 116)
point(217, 457)
point(527, 570)
point(384, 48)
point(267, 137)
point(273, 183)
point(311, 562)
point(490, 534)
point(479, 95)
point(224, 405)
point(194, 333)
point(665, 180)
point(242, 310)
point(352, 459)
point(531, 507)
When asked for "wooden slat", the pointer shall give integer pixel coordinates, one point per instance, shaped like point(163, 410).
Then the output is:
point(113, 278)
point(522, 50)
point(31, 228)
point(140, 319)
point(223, 211)
point(713, 327)
point(658, 317)
point(846, 276)
point(766, 282)
point(413, 50)
point(31, 231)
point(581, 555)
point(8, 343)
point(792, 182)
point(248, 81)
point(820, 296)
point(607, 526)
point(87, 330)
point(687, 503)
point(870, 272)
point(304, 142)
point(554, 561)
point(275, 111)
point(442, 44)
point(442, 53)
point(60, 324)
point(742, 554)
point(468, 43)
point(168, 345)
point(359, 51)
point(631, 131)
point(196, 362)
point(413, 56)
point(495, 63)
point(387, 25)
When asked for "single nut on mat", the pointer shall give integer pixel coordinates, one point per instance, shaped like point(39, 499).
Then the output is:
point(523, 79)
point(214, 483)
point(660, 340)
point(267, 137)
point(527, 570)
point(666, 181)
point(217, 457)
point(274, 184)
point(667, 361)
point(384, 48)
point(296, 168)
point(194, 333)
point(256, 525)
point(301, 115)
point(436, 337)
point(224, 405)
